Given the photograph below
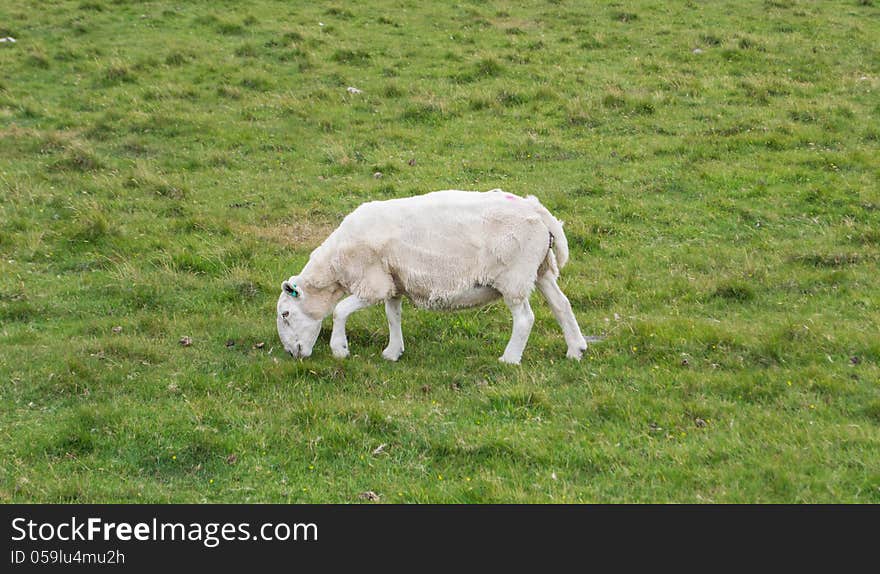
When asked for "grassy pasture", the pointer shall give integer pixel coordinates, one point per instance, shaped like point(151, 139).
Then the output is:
point(165, 165)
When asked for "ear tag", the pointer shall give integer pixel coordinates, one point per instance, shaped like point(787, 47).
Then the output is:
point(292, 290)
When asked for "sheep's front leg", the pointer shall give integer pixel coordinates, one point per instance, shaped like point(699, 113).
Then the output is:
point(561, 308)
point(523, 318)
point(395, 335)
point(338, 340)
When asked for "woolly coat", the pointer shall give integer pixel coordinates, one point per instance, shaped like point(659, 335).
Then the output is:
point(446, 249)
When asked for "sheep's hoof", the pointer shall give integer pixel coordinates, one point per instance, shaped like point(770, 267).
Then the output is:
point(576, 352)
point(509, 360)
point(392, 354)
point(340, 352)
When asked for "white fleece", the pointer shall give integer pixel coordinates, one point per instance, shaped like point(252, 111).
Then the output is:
point(439, 247)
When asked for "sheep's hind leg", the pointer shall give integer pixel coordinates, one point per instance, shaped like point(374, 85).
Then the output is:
point(338, 340)
point(395, 335)
point(561, 308)
point(523, 318)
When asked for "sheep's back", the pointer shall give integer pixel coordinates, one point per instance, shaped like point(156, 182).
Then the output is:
point(444, 243)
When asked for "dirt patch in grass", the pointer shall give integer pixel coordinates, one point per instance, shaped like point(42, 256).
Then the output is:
point(303, 233)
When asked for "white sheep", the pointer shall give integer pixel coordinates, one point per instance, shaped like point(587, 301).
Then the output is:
point(442, 250)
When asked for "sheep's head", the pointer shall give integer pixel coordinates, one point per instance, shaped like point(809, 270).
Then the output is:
point(297, 328)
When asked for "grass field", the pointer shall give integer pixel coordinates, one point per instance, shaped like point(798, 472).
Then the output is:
point(165, 165)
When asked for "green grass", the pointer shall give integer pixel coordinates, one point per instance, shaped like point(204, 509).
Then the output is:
point(164, 166)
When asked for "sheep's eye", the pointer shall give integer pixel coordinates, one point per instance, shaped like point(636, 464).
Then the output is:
point(285, 314)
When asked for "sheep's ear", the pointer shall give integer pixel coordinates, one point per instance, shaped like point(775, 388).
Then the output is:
point(290, 288)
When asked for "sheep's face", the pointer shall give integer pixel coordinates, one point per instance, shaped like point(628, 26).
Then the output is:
point(297, 329)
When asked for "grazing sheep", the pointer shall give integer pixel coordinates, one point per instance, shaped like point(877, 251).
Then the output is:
point(443, 250)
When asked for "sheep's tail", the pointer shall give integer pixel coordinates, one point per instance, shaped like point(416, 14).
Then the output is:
point(560, 243)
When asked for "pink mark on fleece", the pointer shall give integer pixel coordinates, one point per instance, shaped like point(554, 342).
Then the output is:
point(508, 196)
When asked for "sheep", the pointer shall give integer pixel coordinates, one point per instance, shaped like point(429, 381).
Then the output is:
point(442, 250)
